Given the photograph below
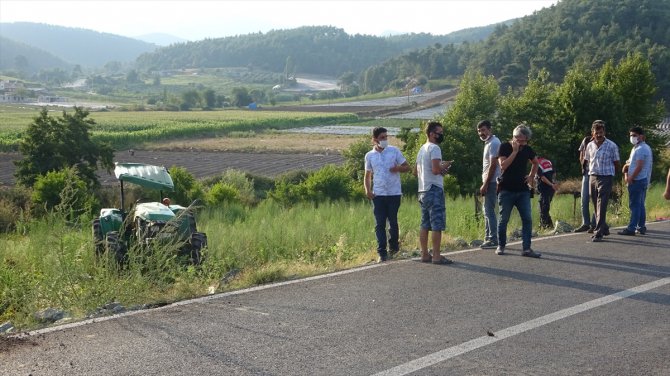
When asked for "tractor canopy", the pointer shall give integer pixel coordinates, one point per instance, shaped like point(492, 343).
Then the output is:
point(145, 175)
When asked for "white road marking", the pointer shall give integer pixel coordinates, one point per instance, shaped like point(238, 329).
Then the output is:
point(476, 343)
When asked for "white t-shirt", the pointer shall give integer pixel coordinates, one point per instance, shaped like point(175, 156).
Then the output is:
point(384, 182)
point(491, 149)
point(424, 166)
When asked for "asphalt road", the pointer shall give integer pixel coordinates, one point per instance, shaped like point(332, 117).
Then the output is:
point(583, 309)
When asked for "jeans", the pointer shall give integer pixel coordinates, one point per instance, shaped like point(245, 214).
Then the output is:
point(489, 207)
point(601, 187)
point(508, 200)
point(545, 205)
point(586, 202)
point(385, 208)
point(637, 193)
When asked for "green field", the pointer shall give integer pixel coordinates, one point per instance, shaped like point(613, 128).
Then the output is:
point(131, 128)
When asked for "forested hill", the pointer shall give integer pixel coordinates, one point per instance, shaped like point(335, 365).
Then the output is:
point(23, 58)
point(87, 48)
point(314, 49)
point(588, 32)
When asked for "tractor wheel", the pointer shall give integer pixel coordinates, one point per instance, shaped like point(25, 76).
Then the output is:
point(98, 241)
point(198, 242)
point(115, 246)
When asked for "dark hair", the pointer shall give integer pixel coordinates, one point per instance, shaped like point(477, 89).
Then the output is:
point(484, 123)
point(637, 129)
point(430, 127)
point(376, 131)
point(597, 124)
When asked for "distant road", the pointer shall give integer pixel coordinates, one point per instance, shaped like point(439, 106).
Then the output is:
point(583, 309)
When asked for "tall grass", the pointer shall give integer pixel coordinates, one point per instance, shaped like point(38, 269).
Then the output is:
point(51, 262)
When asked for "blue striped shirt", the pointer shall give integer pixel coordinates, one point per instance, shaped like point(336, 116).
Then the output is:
point(601, 159)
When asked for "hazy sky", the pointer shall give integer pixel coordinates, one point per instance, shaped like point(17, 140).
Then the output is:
point(196, 20)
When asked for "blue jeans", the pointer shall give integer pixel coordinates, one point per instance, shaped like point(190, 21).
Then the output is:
point(586, 202)
point(489, 207)
point(385, 208)
point(637, 193)
point(508, 200)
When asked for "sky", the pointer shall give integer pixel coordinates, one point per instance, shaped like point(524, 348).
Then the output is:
point(197, 20)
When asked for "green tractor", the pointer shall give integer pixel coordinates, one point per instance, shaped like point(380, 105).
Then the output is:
point(158, 223)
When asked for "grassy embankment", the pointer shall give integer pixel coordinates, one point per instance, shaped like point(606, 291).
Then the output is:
point(51, 263)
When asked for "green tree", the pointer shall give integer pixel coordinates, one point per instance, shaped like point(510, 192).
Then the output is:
point(53, 144)
point(241, 97)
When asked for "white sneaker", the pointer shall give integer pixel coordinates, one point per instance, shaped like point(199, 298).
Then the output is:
point(500, 250)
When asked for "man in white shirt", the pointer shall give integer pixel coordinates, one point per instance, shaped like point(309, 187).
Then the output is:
point(430, 170)
point(488, 190)
point(383, 165)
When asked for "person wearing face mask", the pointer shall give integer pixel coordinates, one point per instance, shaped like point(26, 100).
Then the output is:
point(603, 157)
point(489, 187)
point(383, 165)
point(515, 187)
point(637, 173)
point(430, 169)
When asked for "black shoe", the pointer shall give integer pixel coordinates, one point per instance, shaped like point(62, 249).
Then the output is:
point(381, 258)
point(642, 231)
point(626, 232)
point(582, 228)
point(393, 253)
point(591, 229)
point(606, 232)
point(596, 239)
point(531, 253)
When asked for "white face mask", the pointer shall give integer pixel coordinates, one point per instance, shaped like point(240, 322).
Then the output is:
point(633, 140)
point(383, 144)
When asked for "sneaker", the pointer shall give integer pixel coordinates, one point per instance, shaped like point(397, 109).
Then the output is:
point(642, 231)
point(381, 259)
point(393, 253)
point(582, 228)
point(489, 245)
point(596, 239)
point(606, 232)
point(591, 229)
point(626, 232)
point(531, 253)
point(500, 250)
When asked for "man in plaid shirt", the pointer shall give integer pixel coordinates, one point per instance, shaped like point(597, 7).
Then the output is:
point(603, 157)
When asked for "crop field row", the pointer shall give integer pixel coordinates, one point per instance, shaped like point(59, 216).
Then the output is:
point(126, 129)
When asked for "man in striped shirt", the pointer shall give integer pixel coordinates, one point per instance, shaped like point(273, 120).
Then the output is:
point(603, 157)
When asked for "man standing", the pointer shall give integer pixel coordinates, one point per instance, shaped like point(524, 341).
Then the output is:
point(587, 224)
point(488, 190)
point(430, 170)
point(383, 164)
point(514, 187)
point(546, 187)
point(603, 157)
point(637, 172)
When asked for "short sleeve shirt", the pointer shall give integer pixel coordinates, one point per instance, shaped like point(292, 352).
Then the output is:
point(384, 182)
point(491, 149)
point(641, 152)
point(424, 166)
point(514, 177)
point(601, 159)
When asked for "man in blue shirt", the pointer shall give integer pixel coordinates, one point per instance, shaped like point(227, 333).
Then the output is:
point(603, 157)
point(637, 172)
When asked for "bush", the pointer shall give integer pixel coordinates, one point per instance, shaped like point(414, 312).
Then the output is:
point(221, 193)
point(330, 182)
point(186, 188)
point(242, 184)
point(63, 191)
